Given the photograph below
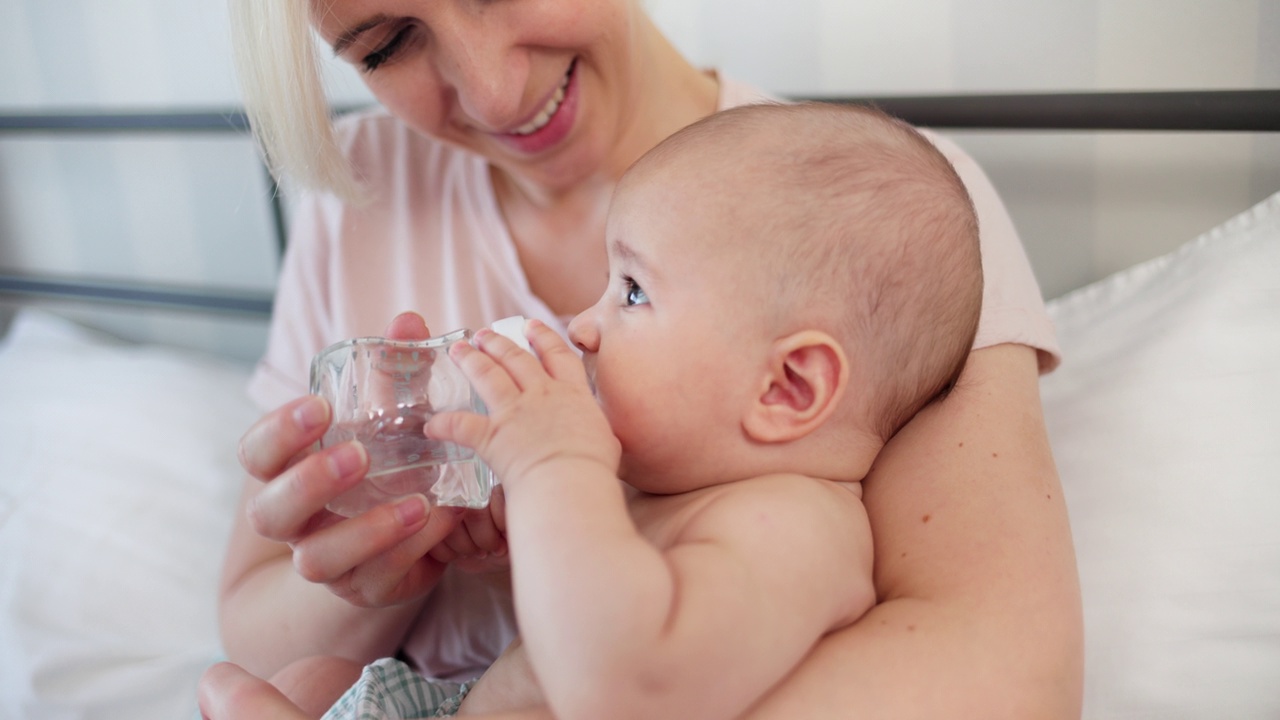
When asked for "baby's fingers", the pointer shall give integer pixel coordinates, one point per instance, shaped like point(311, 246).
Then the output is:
point(491, 380)
point(464, 428)
point(559, 360)
point(522, 366)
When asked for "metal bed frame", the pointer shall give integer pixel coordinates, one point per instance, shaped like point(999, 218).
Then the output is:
point(1207, 110)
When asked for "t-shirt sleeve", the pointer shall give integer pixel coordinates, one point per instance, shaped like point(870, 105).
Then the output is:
point(1013, 310)
point(299, 325)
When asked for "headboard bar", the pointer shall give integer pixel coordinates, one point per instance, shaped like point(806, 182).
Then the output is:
point(1188, 110)
point(1180, 110)
point(26, 286)
point(1218, 110)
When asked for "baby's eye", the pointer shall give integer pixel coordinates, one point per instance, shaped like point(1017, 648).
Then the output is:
point(388, 50)
point(635, 295)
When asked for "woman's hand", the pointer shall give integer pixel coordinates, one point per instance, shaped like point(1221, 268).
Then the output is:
point(299, 581)
point(376, 559)
point(479, 542)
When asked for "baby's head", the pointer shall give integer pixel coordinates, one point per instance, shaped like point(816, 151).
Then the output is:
point(799, 273)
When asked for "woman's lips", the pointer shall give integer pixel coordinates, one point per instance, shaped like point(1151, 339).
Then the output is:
point(544, 115)
point(553, 121)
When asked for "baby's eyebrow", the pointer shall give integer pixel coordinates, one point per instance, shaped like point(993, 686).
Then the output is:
point(625, 253)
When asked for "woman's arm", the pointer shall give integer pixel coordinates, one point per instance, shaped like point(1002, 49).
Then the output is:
point(979, 613)
point(269, 615)
point(300, 581)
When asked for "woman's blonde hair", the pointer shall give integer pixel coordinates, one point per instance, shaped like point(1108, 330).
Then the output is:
point(283, 92)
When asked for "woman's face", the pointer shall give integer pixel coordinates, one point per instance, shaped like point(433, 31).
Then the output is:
point(543, 88)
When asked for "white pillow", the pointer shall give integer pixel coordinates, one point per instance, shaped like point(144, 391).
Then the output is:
point(116, 495)
point(1165, 423)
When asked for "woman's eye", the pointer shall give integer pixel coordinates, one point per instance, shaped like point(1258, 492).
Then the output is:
point(387, 51)
point(635, 294)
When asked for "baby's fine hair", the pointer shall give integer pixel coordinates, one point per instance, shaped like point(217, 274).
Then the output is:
point(868, 230)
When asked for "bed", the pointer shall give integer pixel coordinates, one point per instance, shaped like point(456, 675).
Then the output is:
point(120, 471)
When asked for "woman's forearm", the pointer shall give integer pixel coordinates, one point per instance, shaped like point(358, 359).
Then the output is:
point(269, 616)
point(980, 607)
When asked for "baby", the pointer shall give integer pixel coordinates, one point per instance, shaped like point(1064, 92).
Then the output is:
point(788, 286)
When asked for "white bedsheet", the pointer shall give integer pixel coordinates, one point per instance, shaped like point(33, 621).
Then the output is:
point(118, 483)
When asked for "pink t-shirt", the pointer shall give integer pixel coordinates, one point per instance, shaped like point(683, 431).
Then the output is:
point(432, 239)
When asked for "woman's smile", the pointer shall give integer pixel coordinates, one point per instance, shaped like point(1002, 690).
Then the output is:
point(553, 120)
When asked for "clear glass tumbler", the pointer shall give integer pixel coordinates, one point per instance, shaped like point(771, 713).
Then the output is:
point(383, 392)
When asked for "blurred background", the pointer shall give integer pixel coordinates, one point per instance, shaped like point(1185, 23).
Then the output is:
point(195, 209)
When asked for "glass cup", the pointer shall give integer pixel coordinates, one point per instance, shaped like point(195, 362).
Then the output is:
point(383, 392)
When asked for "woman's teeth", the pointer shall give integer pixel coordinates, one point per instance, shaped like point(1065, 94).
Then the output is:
point(544, 116)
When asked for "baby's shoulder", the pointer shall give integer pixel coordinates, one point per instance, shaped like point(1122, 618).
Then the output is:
point(794, 488)
point(783, 500)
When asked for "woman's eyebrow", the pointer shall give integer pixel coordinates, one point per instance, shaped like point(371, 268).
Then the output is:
point(349, 36)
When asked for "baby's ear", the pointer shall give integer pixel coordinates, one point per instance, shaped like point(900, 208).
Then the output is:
point(804, 380)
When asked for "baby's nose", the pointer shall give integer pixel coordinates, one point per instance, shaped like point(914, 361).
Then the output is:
point(583, 333)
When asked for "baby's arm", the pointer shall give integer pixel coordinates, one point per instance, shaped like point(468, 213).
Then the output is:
point(612, 624)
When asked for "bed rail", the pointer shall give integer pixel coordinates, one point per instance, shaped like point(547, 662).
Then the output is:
point(1182, 111)
point(1210, 110)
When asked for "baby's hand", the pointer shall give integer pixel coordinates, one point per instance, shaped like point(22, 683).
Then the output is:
point(541, 409)
point(479, 542)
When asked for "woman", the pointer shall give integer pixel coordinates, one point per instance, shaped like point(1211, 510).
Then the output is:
point(480, 192)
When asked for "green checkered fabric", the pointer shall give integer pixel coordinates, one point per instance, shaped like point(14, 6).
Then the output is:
point(389, 689)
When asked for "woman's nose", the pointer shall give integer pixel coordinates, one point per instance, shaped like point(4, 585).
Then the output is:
point(477, 59)
point(583, 332)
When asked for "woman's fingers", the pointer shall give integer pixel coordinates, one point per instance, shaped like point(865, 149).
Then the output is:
point(479, 536)
point(493, 536)
point(286, 507)
point(483, 531)
point(370, 560)
point(273, 442)
point(408, 326)
point(404, 572)
point(329, 553)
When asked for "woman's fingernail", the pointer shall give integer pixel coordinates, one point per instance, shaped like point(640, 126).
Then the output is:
point(311, 414)
point(411, 510)
point(346, 459)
